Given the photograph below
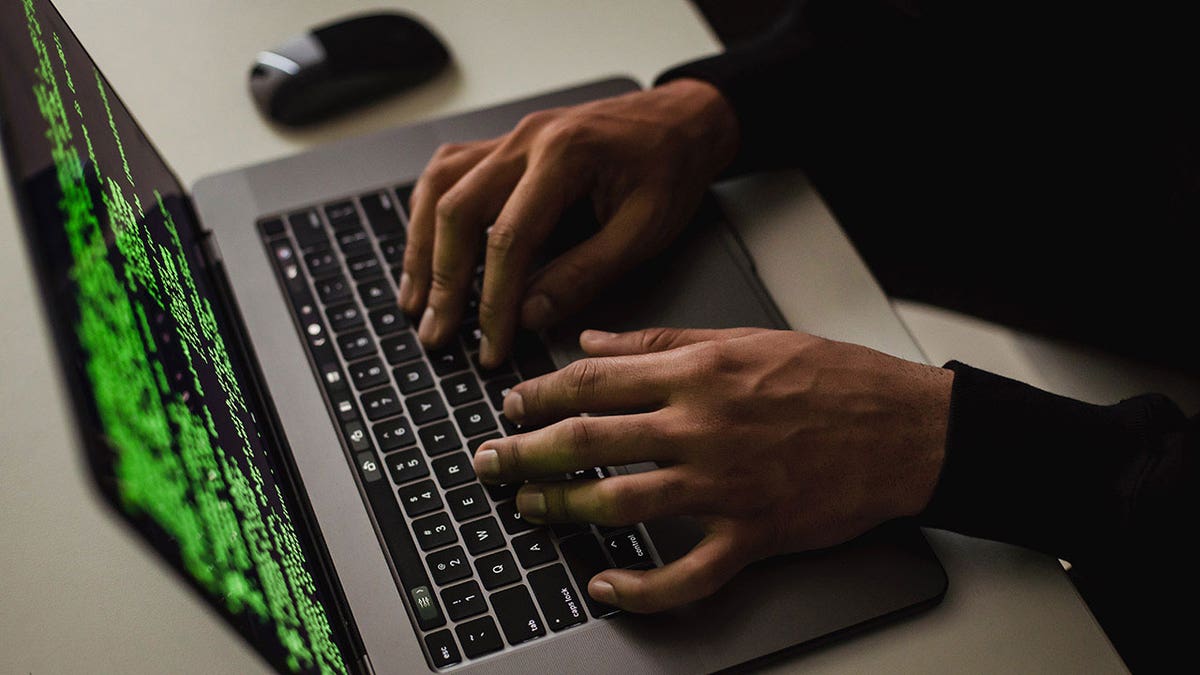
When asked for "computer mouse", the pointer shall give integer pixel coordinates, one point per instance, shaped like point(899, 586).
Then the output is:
point(341, 65)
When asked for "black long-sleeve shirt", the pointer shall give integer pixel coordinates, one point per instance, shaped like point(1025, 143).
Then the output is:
point(1035, 164)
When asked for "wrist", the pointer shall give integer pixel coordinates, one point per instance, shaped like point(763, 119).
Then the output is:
point(706, 119)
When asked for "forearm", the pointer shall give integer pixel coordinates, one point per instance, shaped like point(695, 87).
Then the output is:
point(1079, 481)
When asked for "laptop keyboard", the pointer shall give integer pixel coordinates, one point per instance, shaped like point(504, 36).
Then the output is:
point(476, 577)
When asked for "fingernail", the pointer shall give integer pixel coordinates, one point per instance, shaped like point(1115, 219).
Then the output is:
point(537, 312)
point(603, 591)
point(590, 334)
point(514, 406)
point(405, 289)
point(487, 463)
point(425, 331)
point(531, 502)
point(486, 357)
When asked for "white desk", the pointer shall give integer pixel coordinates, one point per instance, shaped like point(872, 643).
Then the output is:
point(80, 594)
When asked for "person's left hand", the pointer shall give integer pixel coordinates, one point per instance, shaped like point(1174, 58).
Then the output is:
point(777, 441)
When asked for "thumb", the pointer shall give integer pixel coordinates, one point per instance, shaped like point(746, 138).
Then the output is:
point(599, 343)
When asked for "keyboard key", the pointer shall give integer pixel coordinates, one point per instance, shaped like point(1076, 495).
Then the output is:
point(463, 600)
point(407, 465)
point(454, 470)
point(309, 231)
point(498, 388)
point(333, 289)
point(413, 377)
point(434, 531)
point(404, 198)
point(400, 348)
point(368, 466)
point(564, 530)
point(381, 403)
point(356, 436)
point(425, 408)
point(271, 227)
point(364, 266)
point(394, 433)
point(368, 373)
point(448, 565)
point(560, 604)
point(353, 241)
point(440, 438)
point(343, 405)
point(356, 345)
point(420, 498)
point(448, 360)
point(500, 493)
point(511, 518)
point(471, 335)
point(387, 320)
point(344, 317)
point(534, 548)
point(474, 443)
point(585, 559)
point(627, 549)
point(322, 263)
point(376, 293)
point(381, 214)
point(442, 649)
point(475, 419)
point(461, 389)
point(392, 250)
point(479, 637)
point(467, 502)
point(497, 569)
point(518, 618)
point(481, 535)
point(342, 215)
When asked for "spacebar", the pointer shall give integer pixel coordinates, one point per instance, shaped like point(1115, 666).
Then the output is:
point(413, 581)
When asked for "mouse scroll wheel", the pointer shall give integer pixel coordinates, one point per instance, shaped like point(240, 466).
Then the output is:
point(265, 62)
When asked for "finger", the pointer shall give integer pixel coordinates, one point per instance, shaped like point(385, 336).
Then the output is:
point(574, 278)
point(650, 340)
point(614, 501)
point(591, 386)
point(700, 573)
point(573, 444)
point(450, 163)
point(530, 214)
point(462, 214)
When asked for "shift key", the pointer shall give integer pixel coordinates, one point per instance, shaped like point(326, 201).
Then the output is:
point(555, 595)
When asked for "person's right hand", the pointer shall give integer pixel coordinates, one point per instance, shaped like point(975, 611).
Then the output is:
point(643, 158)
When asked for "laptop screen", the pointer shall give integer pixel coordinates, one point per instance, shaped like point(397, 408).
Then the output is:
point(174, 436)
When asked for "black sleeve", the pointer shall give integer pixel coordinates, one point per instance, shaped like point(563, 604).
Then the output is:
point(1112, 489)
point(821, 59)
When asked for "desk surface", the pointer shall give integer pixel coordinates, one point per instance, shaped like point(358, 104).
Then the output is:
point(81, 593)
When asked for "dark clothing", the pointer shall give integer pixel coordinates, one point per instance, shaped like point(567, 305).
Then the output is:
point(1040, 166)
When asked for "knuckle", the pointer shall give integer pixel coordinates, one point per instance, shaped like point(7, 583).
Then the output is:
point(448, 211)
point(448, 150)
point(583, 378)
point(501, 239)
point(534, 120)
point(615, 502)
point(442, 282)
point(579, 433)
point(490, 314)
point(657, 339)
point(563, 134)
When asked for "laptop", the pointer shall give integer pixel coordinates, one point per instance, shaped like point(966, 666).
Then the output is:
point(253, 404)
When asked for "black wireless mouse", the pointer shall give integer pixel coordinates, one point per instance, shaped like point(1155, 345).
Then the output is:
point(341, 65)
